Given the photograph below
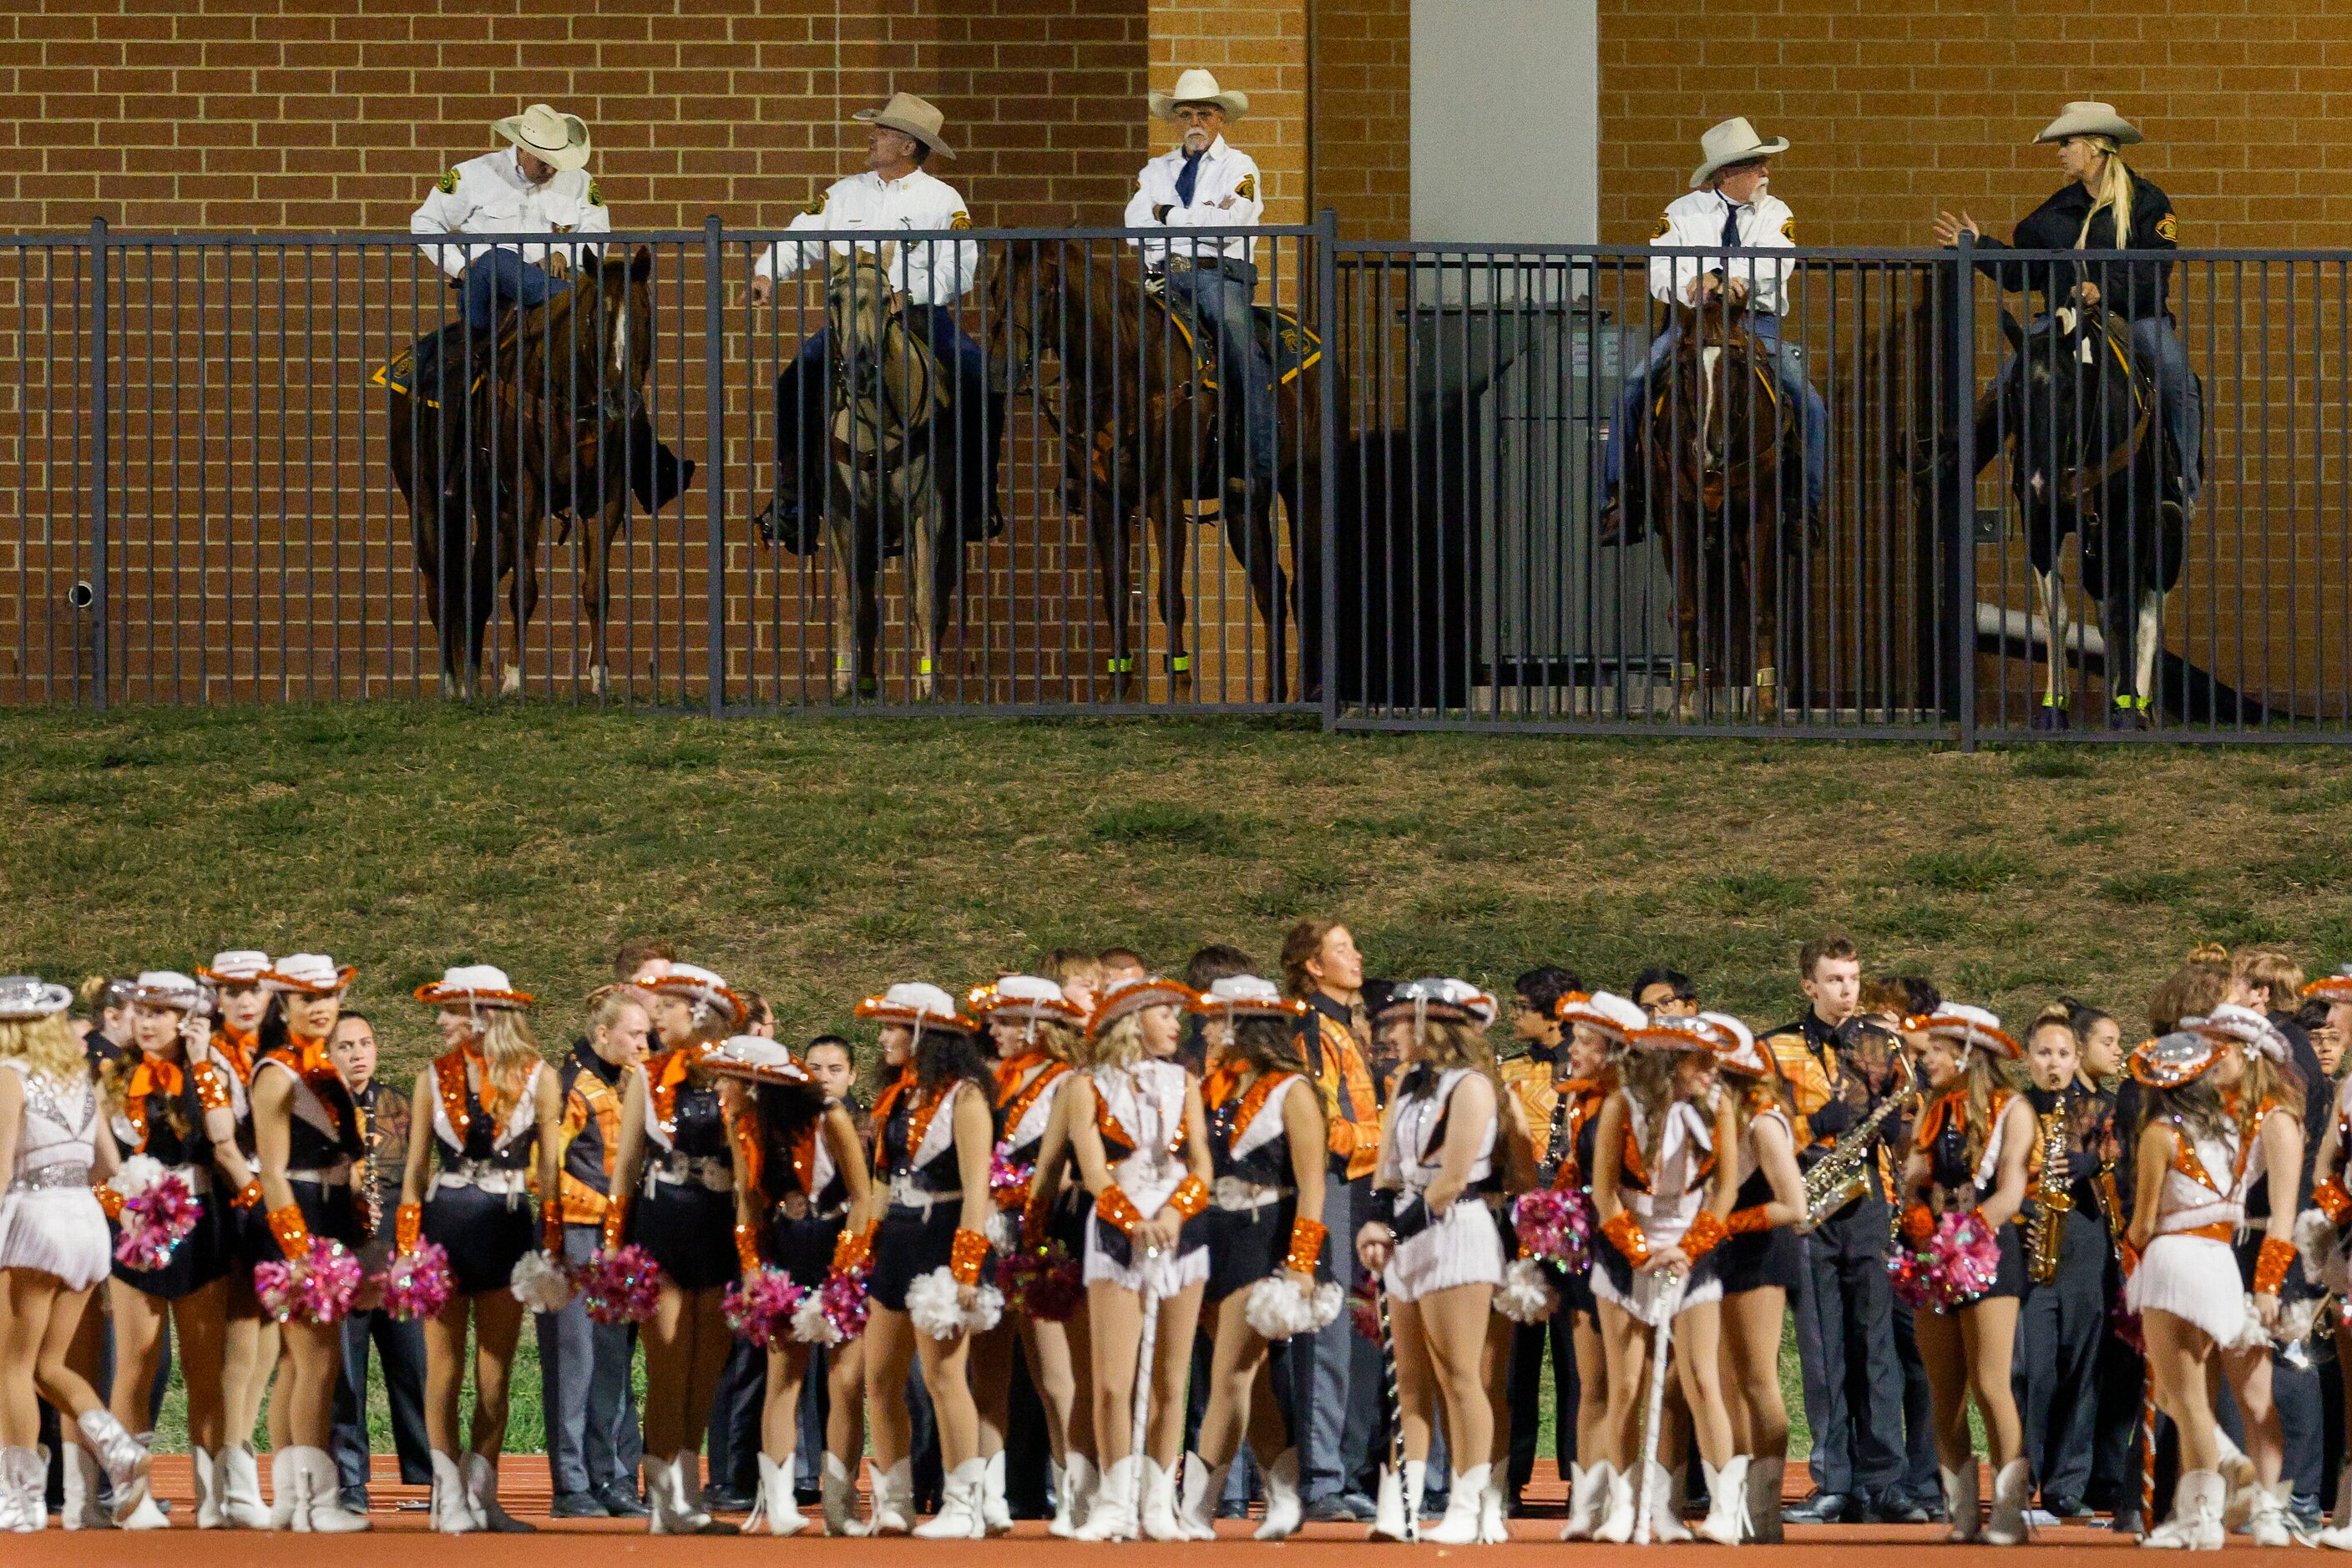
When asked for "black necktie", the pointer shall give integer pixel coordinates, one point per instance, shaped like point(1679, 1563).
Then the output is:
point(1730, 224)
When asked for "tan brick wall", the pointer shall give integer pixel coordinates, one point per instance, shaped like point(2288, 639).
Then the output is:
point(1361, 121)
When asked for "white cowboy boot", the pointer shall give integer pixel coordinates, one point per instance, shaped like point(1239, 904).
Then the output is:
point(2238, 1481)
point(124, 1460)
point(24, 1478)
point(1196, 1509)
point(993, 1510)
point(1579, 1502)
point(1464, 1499)
point(286, 1490)
point(321, 1510)
point(1764, 1479)
point(894, 1500)
point(1960, 1501)
point(1727, 1508)
point(837, 1490)
point(1617, 1507)
point(959, 1516)
point(775, 1509)
point(1389, 1520)
point(1115, 1512)
point(662, 1516)
point(1666, 1527)
point(241, 1503)
point(82, 1511)
point(2196, 1522)
point(2268, 1524)
point(1284, 1509)
point(1495, 1509)
point(1157, 1517)
point(1072, 1486)
point(482, 1500)
point(2013, 1489)
point(212, 1486)
point(450, 1515)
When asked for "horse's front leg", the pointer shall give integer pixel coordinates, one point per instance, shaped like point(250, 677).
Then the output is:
point(531, 506)
point(853, 593)
point(1761, 572)
point(597, 587)
point(2147, 638)
point(926, 603)
point(2052, 715)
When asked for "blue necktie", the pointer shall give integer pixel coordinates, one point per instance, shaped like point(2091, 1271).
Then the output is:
point(1730, 226)
point(1189, 177)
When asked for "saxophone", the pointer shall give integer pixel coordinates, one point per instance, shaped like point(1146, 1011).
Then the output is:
point(1844, 1173)
point(2057, 1200)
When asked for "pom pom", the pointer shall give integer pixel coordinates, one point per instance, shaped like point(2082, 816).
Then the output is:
point(159, 1210)
point(1911, 1275)
point(1004, 1231)
point(621, 1286)
point(1042, 1281)
point(810, 1325)
point(317, 1287)
point(1280, 1307)
point(2296, 1319)
point(418, 1284)
point(987, 1309)
point(1526, 1296)
point(1960, 1262)
point(1008, 1184)
point(834, 1311)
point(2252, 1335)
point(540, 1283)
point(1555, 1227)
point(2322, 1252)
point(935, 1305)
point(763, 1308)
point(1364, 1309)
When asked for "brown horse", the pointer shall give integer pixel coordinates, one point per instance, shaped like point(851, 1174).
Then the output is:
point(1720, 474)
point(551, 424)
point(1140, 435)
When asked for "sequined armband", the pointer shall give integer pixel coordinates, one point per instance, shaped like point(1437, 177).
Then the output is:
point(747, 1246)
point(1190, 1196)
point(248, 1195)
point(616, 1223)
point(109, 1200)
point(1305, 1245)
point(1118, 1209)
point(2271, 1266)
point(1706, 1233)
point(854, 1249)
point(2332, 1199)
point(211, 1093)
point(293, 1235)
point(407, 1226)
point(1918, 1225)
point(965, 1255)
point(1624, 1232)
point(551, 1228)
point(1748, 1221)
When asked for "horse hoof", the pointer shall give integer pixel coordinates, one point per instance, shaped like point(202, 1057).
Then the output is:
point(510, 682)
point(2050, 720)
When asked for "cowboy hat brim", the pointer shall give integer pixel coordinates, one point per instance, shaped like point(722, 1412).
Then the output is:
point(2114, 127)
point(1163, 105)
point(1772, 149)
point(573, 154)
point(275, 981)
point(890, 121)
point(436, 994)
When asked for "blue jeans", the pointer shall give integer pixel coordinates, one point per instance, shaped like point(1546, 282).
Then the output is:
point(583, 1367)
point(1223, 302)
point(503, 278)
point(1789, 367)
point(802, 443)
point(1321, 1362)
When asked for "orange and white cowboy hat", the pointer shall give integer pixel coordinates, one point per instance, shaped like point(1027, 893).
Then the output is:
point(920, 1006)
point(1122, 997)
point(2170, 1060)
point(1246, 996)
point(472, 986)
point(1603, 1012)
point(704, 989)
point(307, 974)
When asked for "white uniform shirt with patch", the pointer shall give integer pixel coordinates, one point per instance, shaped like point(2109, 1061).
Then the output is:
point(1226, 174)
point(929, 272)
point(489, 196)
point(1696, 219)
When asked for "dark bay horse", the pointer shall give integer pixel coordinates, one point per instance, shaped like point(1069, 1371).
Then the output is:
point(553, 425)
point(1721, 482)
point(1139, 435)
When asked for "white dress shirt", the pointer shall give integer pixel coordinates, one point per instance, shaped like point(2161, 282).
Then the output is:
point(488, 195)
point(1696, 219)
point(1225, 172)
point(936, 272)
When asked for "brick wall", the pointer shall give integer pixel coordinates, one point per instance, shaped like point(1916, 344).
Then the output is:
point(1361, 115)
point(1260, 48)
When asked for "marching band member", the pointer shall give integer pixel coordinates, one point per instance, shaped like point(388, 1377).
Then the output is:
point(1265, 1240)
point(2218, 1120)
point(801, 1177)
point(2320, 1236)
point(496, 1115)
point(1599, 1027)
point(54, 1250)
point(933, 1136)
point(177, 1101)
point(678, 1160)
point(1035, 1029)
point(242, 1006)
point(1662, 1188)
point(1534, 1078)
point(311, 1138)
point(1438, 1253)
point(1967, 1158)
point(1142, 1146)
point(1761, 1263)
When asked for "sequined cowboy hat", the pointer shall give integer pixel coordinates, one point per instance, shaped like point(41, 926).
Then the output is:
point(1691, 1034)
point(236, 966)
point(307, 974)
point(472, 985)
point(918, 1006)
point(24, 996)
point(1122, 997)
point(703, 988)
point(2170, 1060)
point(913, 116)
point(1437, 996)
point(1735, 1050)
point(2088, 117)
point(1026, 997)
point(170, 988)
point(1732, 141)
point(2244, 1027)
point(558, 140)
point(1197, 86)
point(1966, 1026)
point(2335, 987)
point(755, 1059)
point(1603, 1012)
point(1246, 996)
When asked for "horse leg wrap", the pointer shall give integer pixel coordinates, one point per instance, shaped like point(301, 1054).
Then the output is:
point(1180, 665)
point(922, 667)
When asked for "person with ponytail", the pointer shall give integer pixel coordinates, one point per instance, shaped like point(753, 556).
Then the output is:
point(245, 1010)
point(496, 1115)
point(310, 1136)
point(674, 1195)
point(1965, 1178)
point(930, 1253)
point(1059, 1210)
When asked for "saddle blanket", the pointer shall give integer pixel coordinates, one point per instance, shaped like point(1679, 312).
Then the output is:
point(1291, 347)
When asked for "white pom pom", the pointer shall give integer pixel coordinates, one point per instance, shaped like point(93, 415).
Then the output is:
point(1004, 1231)
point(987, 1309)
point(136, 1174)
point(1526, 1296)
point(934, 1306)
point(2323, 1252)
point(2252, 1335)
point(2295, 1321)
point(1279, 1307)
point(539, 1283)
point(810, 1325)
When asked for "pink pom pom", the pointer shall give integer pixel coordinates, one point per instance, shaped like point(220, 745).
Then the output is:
point(1008, 1184)
point(842, 1297)
point(317, 1287)
point(1364, 1311)
point(418, 1284)
point(156, 1221)
point(762, 1311)
point(1968, 1255)
point(1042, 1281)
point(1912, 1275)
point(1554, 1226)
point(621, 1287)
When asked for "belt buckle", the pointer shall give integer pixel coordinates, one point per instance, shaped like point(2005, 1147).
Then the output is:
point(1176, 263)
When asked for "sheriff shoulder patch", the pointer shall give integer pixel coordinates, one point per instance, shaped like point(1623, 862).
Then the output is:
point(2167, 228)
point(447, 183)
point(961, 220)
point(815, 206)
point(1247, 189)
point(1666, 226)
point(1789, 231)
point(595, 196)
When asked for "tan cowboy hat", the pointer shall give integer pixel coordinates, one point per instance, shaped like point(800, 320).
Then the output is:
point(912, 115)
point(561, 139)
point(1198, 85)
point(2087, 117)
point(1733, 141)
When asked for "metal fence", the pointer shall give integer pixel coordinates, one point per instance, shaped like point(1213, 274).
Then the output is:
point(199, 499)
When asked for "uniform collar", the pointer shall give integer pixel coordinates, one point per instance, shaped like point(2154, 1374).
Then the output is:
point(908, 180)
point(1216, 150)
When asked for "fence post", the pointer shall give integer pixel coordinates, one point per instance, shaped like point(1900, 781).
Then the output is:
point(1333, 386)
point(100, 457)
point(1963, 577)
point(714, 393)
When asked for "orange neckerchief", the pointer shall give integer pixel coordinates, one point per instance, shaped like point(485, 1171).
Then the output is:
point(450, 1074)
point(665, 1073)
point(309, 1059)
point(150, 1077)
point(752, 1145)
point(1013, 1097)
point(1219, 1088)
point(919, 1124)
point(237, 1046)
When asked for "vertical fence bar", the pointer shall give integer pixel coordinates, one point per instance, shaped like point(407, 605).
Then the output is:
point(100, 458)
point(1963, 522)
point(1330, 388)
point(714, 400)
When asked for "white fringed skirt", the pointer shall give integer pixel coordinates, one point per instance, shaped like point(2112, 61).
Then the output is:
point(56, 1230)
point(2194, 1279)
point(1461, 1248)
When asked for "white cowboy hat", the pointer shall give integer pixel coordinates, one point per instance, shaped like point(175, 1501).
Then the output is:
point(1970, 1029)
point(25, 997)
point(2335, 987)
point(1121, 997)
point(702, 987)
point(1197, 86)
point(1023, 996)
point(1733, 141)
point(169, 988)
point(919, 1006)
point(915, 116)
point(1736, 1046)
point(472, 985)
point(2228, 1021)
point(757, 1059)
point(237, 966)
point(1435, 996)
point(1248, 996)
point(307, 974)
point(561, 139)
point(1604, 1012)
point(2088, 117)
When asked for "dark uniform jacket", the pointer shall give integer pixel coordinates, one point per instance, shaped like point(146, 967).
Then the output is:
point(2127, 290)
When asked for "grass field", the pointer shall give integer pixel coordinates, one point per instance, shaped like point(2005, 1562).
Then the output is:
point(814, 861)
